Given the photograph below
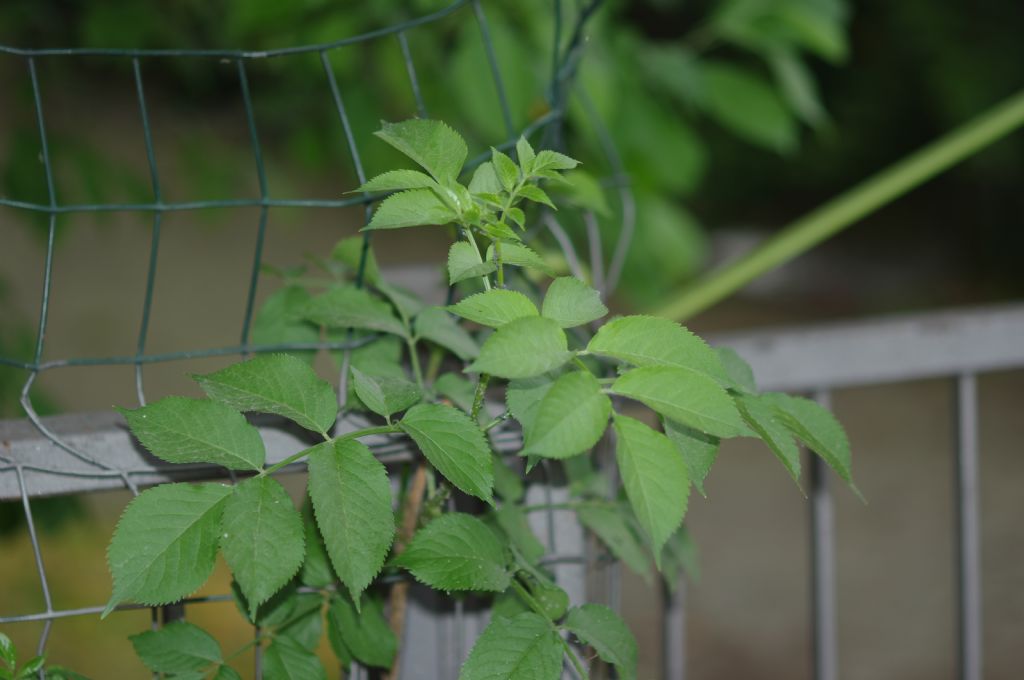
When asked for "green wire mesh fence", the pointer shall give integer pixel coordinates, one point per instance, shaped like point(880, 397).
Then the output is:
point(53, 461)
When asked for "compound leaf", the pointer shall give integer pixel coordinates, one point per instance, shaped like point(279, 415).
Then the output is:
point(165, 544)
point(603, 629)
point(817, 428)
point(436, 325)
point(275, 383)
point(552, 160)
point(766, 421)
point(399, 180)
point(184, 430)
point(464, 263)
point(654, 341)
point(655, 479)
point(352, 500)
point(177, 647)
point(570, 419)
point(262, 538)
point(571, 302)
point(432, 144)
point(523, 348)
point(316, 568)
point(523, 646)
point(457, 552)
point(351, 307)
point(286, 659)
point(684, 395)
point(495, 307)
point(505, 169)
point(364, 632)
point(454, 445)
point(385, 395)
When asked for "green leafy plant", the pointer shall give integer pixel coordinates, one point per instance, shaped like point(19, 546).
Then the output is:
point(425, 372)
point(35, 667)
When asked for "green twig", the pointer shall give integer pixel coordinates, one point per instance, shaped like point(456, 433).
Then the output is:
point(478, 396)
point(414, 359)
point(851, 206)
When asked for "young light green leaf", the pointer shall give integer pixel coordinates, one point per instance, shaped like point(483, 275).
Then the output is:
point(571, 418)
point(609, 523)
point(399, 180)
point(653, 341)
point(351, 307)
point(411, 208)
point(766, 421)
point(457, 552)
point(495, 307)
point(517, 216)
point(699, 451)
point(454, 445)
point(511, 519)
point(275, 383)
point(433, 145)
point(684, 395)
point(484, 180)
point(518, 255)
point(537, 195)
point(364, 632)
point(456, 389)
point(736, 369)
point(523, 398)
point(552, 160)
point(286, 659)
point(436, 325)
point(352, 501)
point(817, 428)
point(655, 479)
point(464, 263)
point(177, 647)
point(184, 430)
point(316, 568)
point(524, 646)
point(523, 348)
point(262, 538)
point(505, 169)
point(603, 629)
point(280, 322)
point(165, 543)
point(571, 302)
point(525, 154)
point(349, 252)
point(384, 395)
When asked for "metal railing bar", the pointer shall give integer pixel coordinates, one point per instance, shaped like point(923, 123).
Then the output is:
point(825, 645)
point(410, 68)
point(969, 628)
point(492, 60)
point(37, 553)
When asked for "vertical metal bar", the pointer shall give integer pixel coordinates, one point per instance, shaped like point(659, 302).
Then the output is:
point(823, 567)
point(968, 532)
point(492, 60)
point(44, 636)
point(410, 68)
point(674, 631)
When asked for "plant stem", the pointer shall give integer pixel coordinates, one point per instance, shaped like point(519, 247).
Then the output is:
point(497, 421)
point(472, 241)
point(478, 396)
point(851, 206)
point(365, 432)
point(414, 359)
point(497, 260)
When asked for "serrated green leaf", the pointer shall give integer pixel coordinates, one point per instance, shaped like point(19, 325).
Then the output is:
point(177, 647)
point(603, 629)
point(349, 252)
point(399, 180)
point(454, 445)
point(699, 451)
point(815, 427)
point(748, 106)
point(571, 302)
point(484, 180)
point(363, 633)
point(165, 543)
point(8, 654)
point(384, 395)
point(524, 646)
point(495, 307)
point(766, 421)
point(517, 216)
point(507, 482)
point(552, 160)
point(286, 659)
point(262, 538)
point(316, 568)
point(184, 430)
point(351, 307)
point(433, 145)
point(511, 519)
point(523, 397)
point(609, 523)
point(537, 195)
point(499, 231)
point(306, 625)
point(518, 255)
point(279, 321)
point(505, 169)
point(274, 612)
point(684, 395)
point(653, 341)
point(571, 417)
point(412, 208)
point(464, 263)
point(737, 370)
point(436, 325)
point(352, 502)
point(275, 383)
point(457, 552)
point(525, 154)
point(655, 479)
point(523, 348)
